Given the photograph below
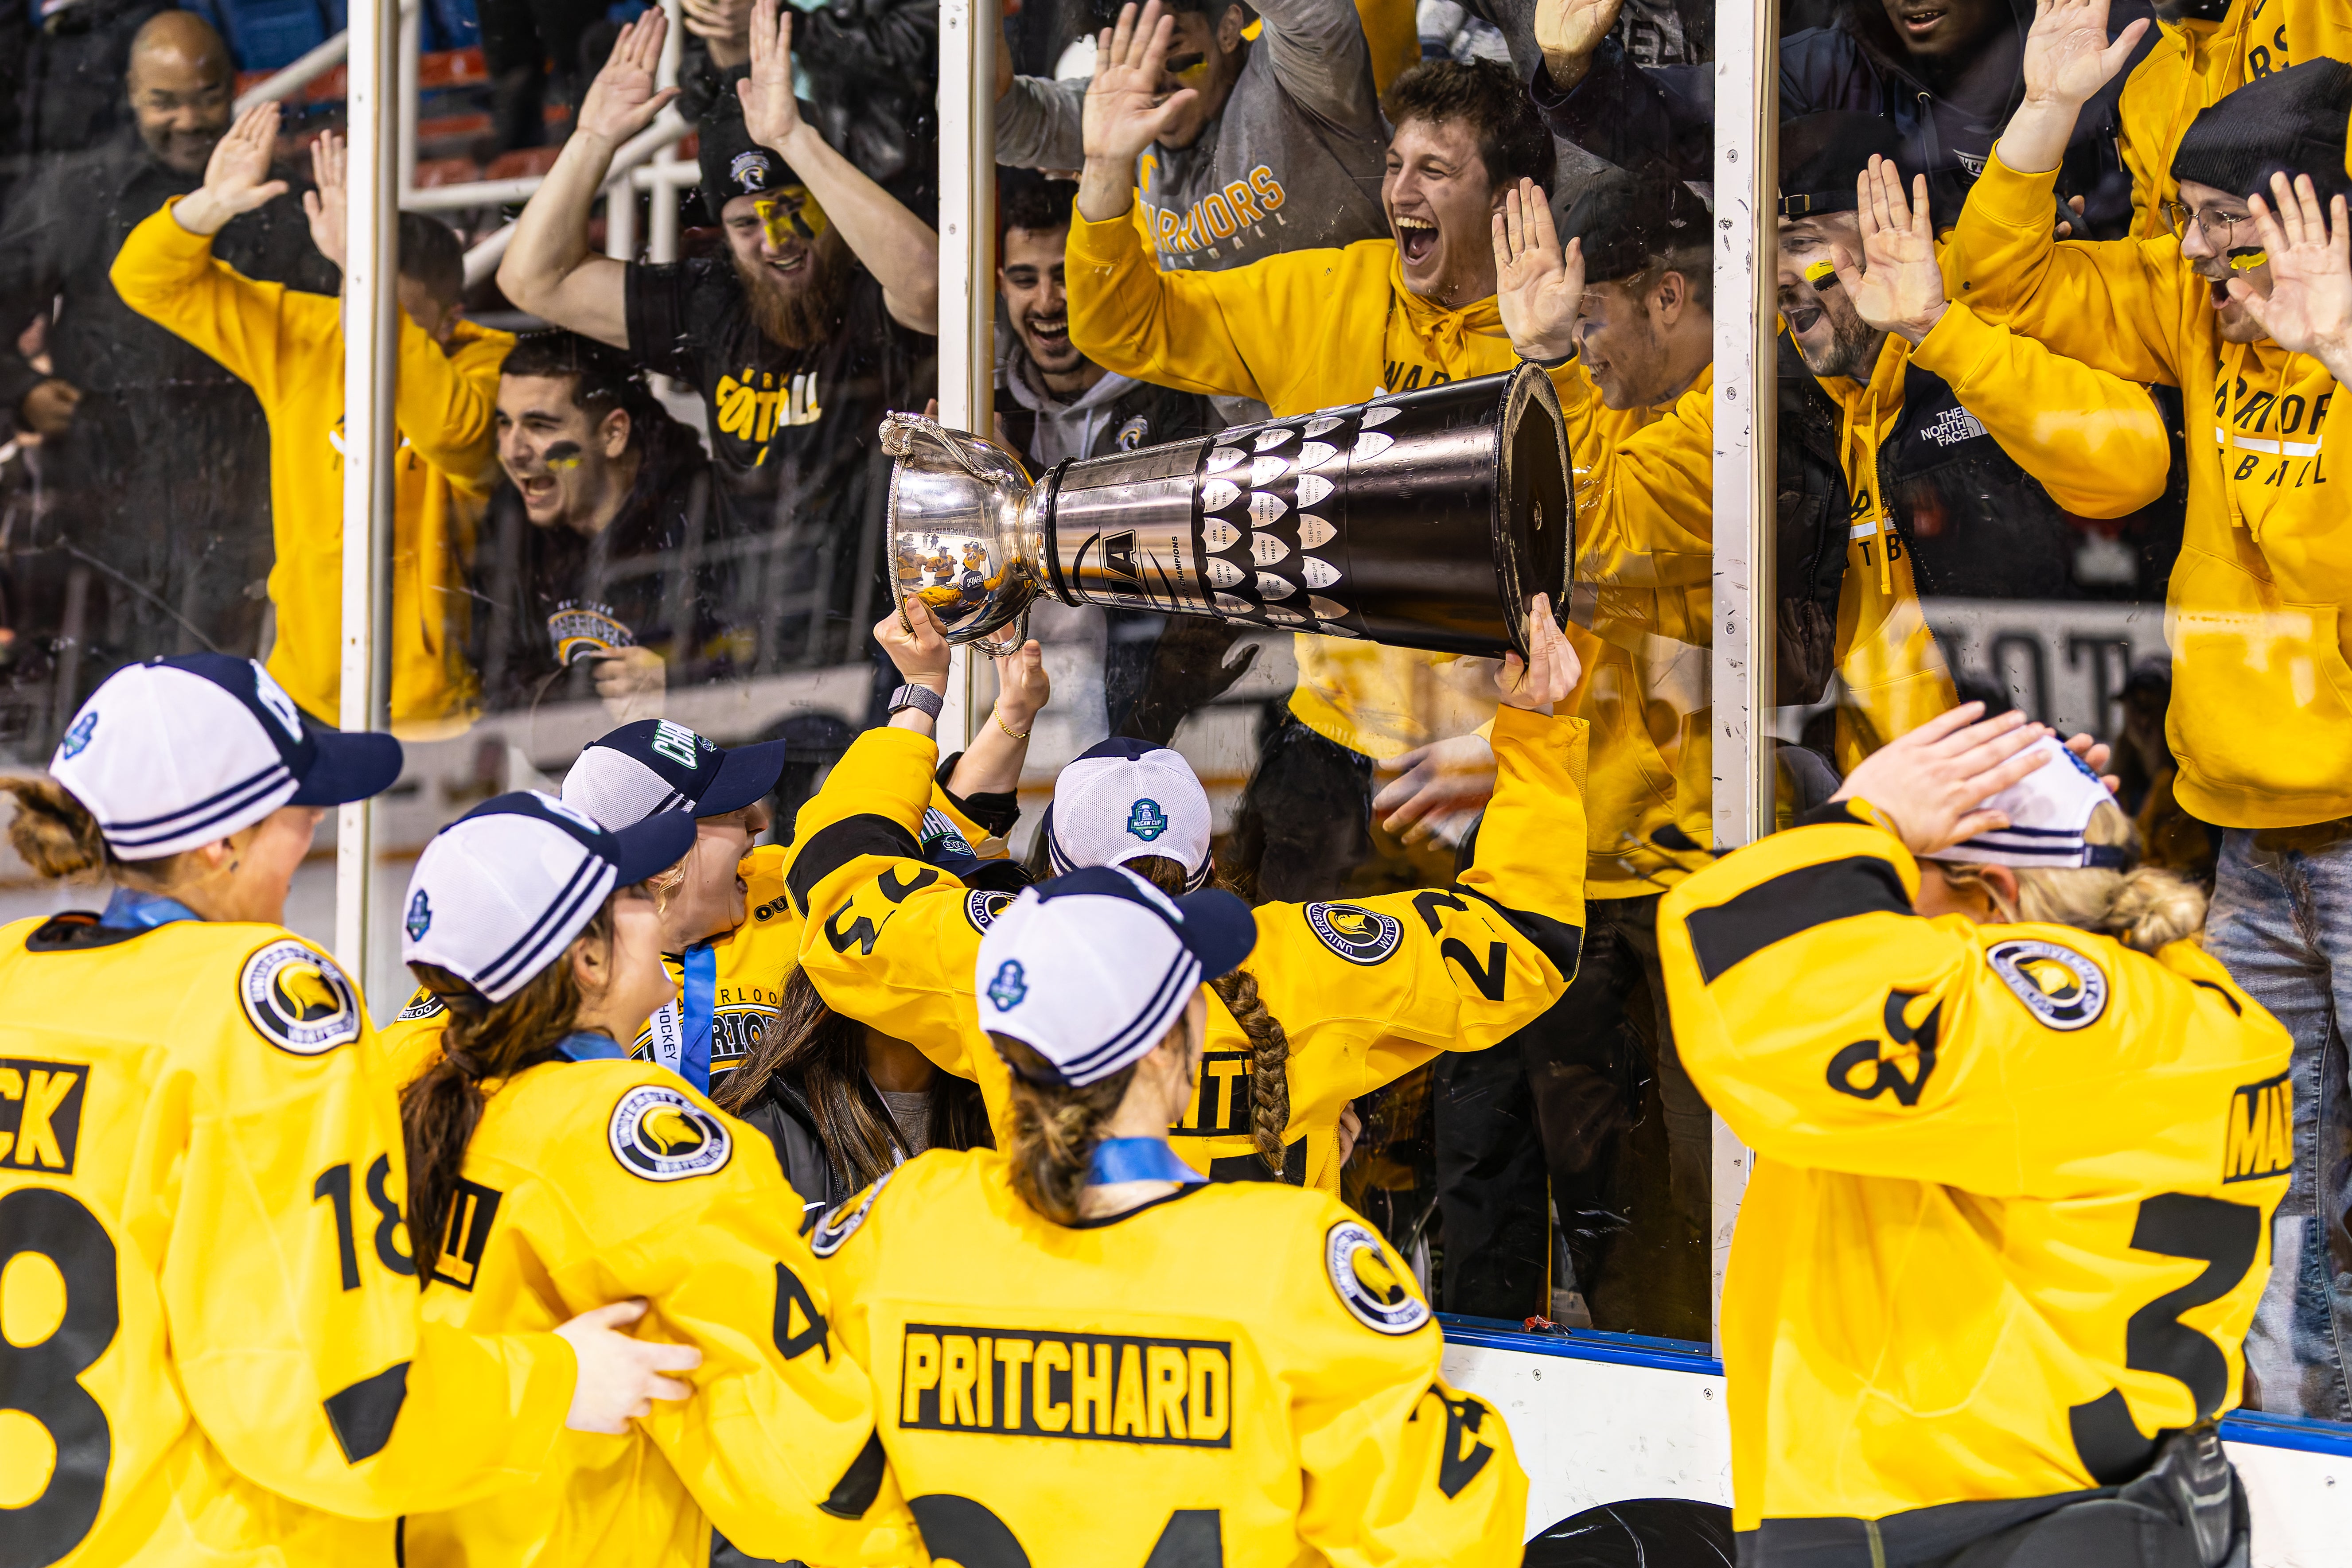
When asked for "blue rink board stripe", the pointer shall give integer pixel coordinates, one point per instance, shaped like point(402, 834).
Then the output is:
point(2247, 1426)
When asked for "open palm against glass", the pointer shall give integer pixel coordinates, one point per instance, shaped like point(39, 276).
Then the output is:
point(1539, 286)
point(1898, 288)
point(1124, 112)
point(624, 99)
point(772, 111)
point(2309, 310)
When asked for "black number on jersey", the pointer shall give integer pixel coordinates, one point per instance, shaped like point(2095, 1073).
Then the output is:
point(967, 1533)
point(387, 1248)
point(2224, 1236)
point(796, 1305)
point(44, 1380)
point(334, 1183)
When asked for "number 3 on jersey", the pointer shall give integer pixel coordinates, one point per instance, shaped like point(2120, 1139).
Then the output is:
point(40, 1377)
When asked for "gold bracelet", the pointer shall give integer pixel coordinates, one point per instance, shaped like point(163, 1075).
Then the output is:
point(1009, 734)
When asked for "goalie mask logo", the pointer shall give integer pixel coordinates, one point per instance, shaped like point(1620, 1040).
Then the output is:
point(661, 1135)
point(298, 1000)
point(2059, 986)
point(1368, 1283)
point(1357, 934)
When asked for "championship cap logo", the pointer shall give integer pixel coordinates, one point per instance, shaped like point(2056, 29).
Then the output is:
point(1357, 934)
point(1009, 986)
point(1368, 1283)
point(79, 736)
point(420, 916)
point(1147, 821)
point(2059, 986)
point(661, 1135)
point(298, 1000)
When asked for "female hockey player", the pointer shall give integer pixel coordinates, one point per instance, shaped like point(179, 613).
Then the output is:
point(1340, 998)
point(198, 1155)
point(549, 1168)
point(2018, 1143)
point(1084, 1352)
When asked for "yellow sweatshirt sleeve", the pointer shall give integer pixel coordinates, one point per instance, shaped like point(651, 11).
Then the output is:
point(171, 277)
point(1195, 332)
point(445, 403)
point(2092, 439)
point(1645, 492)
point(2112, 304)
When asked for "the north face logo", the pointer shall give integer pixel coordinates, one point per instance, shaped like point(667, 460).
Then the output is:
point(1147, 821)
point(1952, 427)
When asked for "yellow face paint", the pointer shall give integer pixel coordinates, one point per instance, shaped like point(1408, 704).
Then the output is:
point(1821, 275)
point(2247, 260)
point(791, 213)
point(1191, 70)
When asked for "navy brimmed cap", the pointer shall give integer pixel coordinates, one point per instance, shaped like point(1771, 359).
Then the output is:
point(185, 751)
point(1123, 800)
point(945, 846)
point(501, 892)
point(1821, 156)
point(2047, 810)
point(1091, 970)
point(654, 765)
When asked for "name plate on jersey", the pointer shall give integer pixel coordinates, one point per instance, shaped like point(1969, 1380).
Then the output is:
point(1045, 1383)
point(40, 1114)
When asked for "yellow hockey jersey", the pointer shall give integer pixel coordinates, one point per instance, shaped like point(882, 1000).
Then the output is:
point(1366, 990)
point(593, 1181)
point(212, 1347)
point(2011, 1209)
point(1234, 1375)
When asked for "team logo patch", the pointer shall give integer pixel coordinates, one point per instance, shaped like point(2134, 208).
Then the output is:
point(298, 1000)
point(2058, 985)
point(980, 910)
point(579, 631)
point(423, 1004)
point(78, 737)
point(842, 1224)
point(661, 1135)
point(1357, 934)
point(1133, 434)
point(1009, 987)
point(749, 171)
point(420, 917)
point(941, 837)
point(281, 707)
point(1368, 1282)
point(2262, 1131)
point(1147, 821)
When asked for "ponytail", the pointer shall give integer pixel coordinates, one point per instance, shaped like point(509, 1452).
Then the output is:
point(483, 1040)
point(2144, 908)
point(1055, 1129)
point(56, 835)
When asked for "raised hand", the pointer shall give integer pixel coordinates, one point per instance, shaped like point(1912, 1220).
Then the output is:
point(771, 111)
point(237, 179)
point(2067, 56)
point(328, 207)
point(1124, 112)
point(1023, 688)
point(2309, 309)
point(1899, 289)
point(724, 25)
point(1551, 670)
point(915, 644)
point(1538, 286)
point(1439, 788)
point(1568, 32)
point(622, 100)
point(1930, 785)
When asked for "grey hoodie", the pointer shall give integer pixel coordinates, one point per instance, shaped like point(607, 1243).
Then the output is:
point(1064, 430)
point(1294, 162)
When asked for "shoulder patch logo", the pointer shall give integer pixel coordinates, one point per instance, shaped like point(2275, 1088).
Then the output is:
point(980, 910)
point(2059, 986)
point(420, 917)
point(1006, 990)
point(1369, 1281)
point(78, 737)
point(2261, 1131)
point(659, 1134)
point(1147, 821)
point(842, 1224)
point(297, 999)
point(1357, 934)
point(423, 1004)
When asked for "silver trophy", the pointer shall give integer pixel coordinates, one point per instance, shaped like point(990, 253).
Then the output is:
point(1426, 519)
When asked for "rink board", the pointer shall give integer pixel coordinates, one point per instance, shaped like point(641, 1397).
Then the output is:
point(1603, 1418)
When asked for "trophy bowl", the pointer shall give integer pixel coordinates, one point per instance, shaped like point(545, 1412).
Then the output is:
point(1423, 520)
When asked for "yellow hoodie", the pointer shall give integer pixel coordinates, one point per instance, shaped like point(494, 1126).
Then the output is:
point(1295, 332)
point(2262, 696)
point(289, 347)
point(2197, 64)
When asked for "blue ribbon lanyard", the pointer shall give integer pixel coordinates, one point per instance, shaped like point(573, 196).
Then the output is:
point(700, 964)
point(1138, 1160)
point(129, 910)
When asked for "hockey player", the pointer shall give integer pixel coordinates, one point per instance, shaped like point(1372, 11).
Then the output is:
point(2017, 1145)
point(1137, 1366)
point(549, 1168)
point(1342, 997)
point(194, 1142)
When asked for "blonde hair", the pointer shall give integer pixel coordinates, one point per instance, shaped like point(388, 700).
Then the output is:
point(2144, 907)
point(55, 835)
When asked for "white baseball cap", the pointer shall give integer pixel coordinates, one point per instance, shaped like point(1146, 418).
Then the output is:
point(652, 766)
point(501, 892)
point(1091, 970)
point(181, 752)
point(2047, 810)
point(1126, 799)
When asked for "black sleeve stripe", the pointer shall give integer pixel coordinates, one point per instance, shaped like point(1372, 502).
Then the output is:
point(363, 1415)
point(2223, 992)
point(1555, 940)
point(1792, 903)
point(860, 1484)
point(831, 849)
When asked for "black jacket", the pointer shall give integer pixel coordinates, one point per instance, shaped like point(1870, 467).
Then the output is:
point(783, 1112)
point(73, 95)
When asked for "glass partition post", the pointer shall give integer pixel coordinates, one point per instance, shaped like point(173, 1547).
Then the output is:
point(970, 36)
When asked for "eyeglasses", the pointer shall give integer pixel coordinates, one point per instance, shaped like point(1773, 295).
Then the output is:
point(2217, 229)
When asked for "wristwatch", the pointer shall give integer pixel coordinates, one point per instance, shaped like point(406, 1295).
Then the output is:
point(913, 696)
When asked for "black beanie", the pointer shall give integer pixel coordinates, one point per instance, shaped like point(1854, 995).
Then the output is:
point(1625, 221)
point(1821, 156)
point(2291, 122)
point(735, 165)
